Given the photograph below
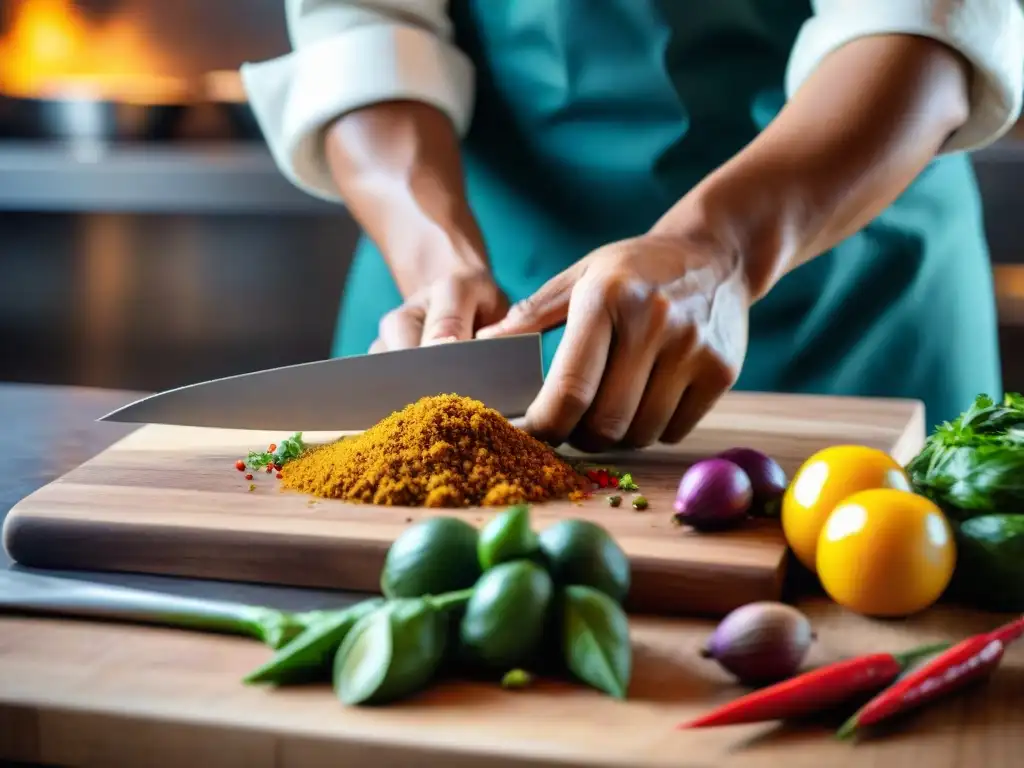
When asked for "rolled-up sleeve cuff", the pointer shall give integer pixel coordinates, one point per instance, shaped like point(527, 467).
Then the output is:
point(988, 33)
point(295, 97)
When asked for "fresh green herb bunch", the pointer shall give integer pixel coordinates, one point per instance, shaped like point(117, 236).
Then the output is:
point(974, 465)
point(287, 450)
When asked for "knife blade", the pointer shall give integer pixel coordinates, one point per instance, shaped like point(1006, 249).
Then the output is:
point(352, 393)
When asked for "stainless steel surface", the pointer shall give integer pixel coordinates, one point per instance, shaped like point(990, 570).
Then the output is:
point(352, 393)
point(87, 120)
point(224, 177)
point(22, 592)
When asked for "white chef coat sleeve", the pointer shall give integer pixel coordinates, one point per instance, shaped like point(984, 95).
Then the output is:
point(988, 33)
point(348, 54)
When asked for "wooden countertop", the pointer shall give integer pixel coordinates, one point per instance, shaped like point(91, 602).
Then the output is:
point(162, 697)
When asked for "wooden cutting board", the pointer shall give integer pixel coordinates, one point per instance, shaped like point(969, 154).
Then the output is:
point(168, 500)
point(88, 694)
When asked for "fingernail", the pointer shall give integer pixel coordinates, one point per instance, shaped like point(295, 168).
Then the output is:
point(442, 340)
point(488, 332)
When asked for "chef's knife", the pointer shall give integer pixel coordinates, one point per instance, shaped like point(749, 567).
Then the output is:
point(352, 393)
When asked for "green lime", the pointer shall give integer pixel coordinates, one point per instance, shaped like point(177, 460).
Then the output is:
point(507, 614)
point(433, 556)
point(582, 552)
point(507, 537)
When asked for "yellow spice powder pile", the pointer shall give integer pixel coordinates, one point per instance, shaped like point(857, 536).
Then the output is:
point(444, 451)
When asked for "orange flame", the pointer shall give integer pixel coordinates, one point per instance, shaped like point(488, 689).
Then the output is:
point(53, 49)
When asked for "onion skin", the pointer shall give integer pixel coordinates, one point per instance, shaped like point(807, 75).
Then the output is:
point(767, 479)
point(761, 643)
point(714, 494)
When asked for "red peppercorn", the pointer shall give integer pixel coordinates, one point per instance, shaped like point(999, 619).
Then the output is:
point(248, 476)
point(602, 478)
point(279, 475)
point(270, 468)
point(240, 465)
point(272, 448)
point(277, 467)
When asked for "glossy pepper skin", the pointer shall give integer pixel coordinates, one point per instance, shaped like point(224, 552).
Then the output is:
point(953, 670)
point(816, 690)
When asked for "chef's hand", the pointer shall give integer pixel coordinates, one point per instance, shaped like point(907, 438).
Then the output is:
point(449, 308)
point(655, 333)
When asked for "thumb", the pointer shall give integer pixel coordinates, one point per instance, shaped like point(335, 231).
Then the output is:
point(546, 308)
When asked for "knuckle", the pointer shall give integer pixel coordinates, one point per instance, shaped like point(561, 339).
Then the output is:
point(609, 425)
point(447, 325)
point(720, 375)
point(575, 392)
point(687, 339)
point(610, 289)
point(526, 307)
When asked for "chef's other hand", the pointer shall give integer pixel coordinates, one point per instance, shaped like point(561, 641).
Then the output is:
point(655, 333)
point(450, 308)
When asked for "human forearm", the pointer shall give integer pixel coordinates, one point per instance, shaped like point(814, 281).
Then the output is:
point(854, 136)
point(397, 167)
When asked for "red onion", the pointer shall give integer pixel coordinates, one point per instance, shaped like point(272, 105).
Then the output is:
point(713, 494)
point(767, 478)
point(761, 642)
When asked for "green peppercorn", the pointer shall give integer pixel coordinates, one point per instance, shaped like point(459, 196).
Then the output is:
point(639, 502)
point(614, 501)
point(516, 678)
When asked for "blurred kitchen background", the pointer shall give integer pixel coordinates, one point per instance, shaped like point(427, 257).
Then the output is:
point(148, 241)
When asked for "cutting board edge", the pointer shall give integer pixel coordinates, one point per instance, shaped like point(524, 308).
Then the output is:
point(667, 587)
point(103, 731)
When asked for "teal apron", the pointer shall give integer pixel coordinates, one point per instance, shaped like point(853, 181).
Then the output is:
point(593, 117)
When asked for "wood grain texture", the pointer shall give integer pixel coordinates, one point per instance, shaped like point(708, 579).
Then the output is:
point(167, 500)
point(91, 694)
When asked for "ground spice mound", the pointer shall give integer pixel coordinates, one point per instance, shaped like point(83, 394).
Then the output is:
point(444, 451)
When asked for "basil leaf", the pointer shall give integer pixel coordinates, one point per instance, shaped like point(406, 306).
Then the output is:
point(975, 464)
point(307, 657)
point(391, 653)
point(595, 640)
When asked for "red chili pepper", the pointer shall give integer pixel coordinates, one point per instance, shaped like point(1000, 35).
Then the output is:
point(602, 478)
point(248, 476)
point(613, 481)
point(950, 671)
point(1010, 632)
point(240, 465)
point(816, 690)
